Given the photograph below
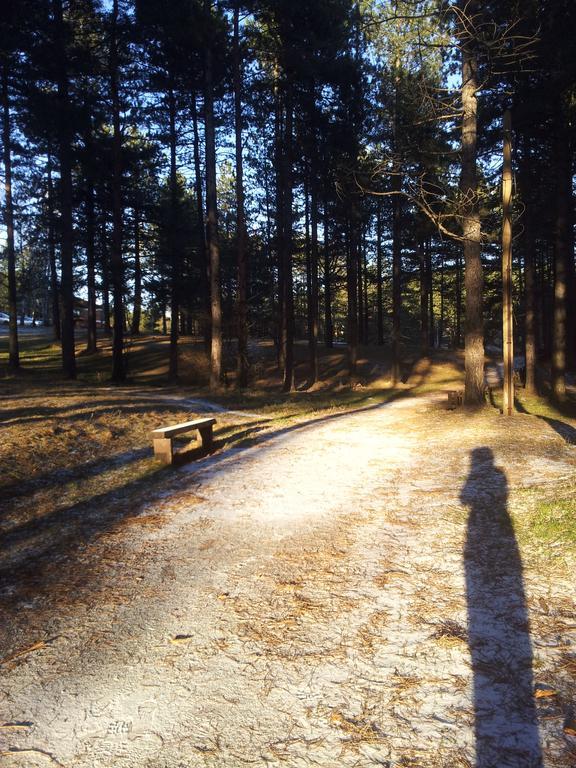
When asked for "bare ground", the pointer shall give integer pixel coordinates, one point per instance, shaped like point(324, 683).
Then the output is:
point(354, 591)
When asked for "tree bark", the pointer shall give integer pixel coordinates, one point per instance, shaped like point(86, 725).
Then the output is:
point(241, 250)
point(137, 311)
point(379, 278)
point(175, 271)
point(13, 350)
point(91, 342)
point(473, 278)
point(54, 287)
point(205, 323)
point(286, 243)
point(66, 199)
point(352, 296)
point(328, 323)
point(424, 299)
point(116, 261)
point(212, 213)
point(563, 177)
point(507, 328)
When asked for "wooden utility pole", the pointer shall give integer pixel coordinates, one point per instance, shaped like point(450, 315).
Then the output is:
point(507, 327)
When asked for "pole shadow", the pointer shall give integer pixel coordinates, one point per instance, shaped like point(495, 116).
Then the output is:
point(505, 718)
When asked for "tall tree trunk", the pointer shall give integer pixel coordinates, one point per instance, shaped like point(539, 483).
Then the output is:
point(458, 299)
point(116, 262)
point(563, 176)
point(205, 323)
point(313, 313)
point(91, 342)
point(175, 270)
point(54, 287)
point(424, 301)
point(280, 226)
point(286, 243)
point(473, 279)
point(328, 323)
point(241, 251)
point(66, 200)
point(379, 280)
point(396, 277)
point(507, 323)
point(529, 243)
point(352, 296)
point(430, 274)
point(13, 351)
point(137, 311)
point(212, 213)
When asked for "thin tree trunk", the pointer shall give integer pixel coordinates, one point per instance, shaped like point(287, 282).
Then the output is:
point(54, 287)
point(205, 323)
point(473, 279)
point(212, 214)
point(458, 299)
point(66, 199)
point(175, 276)
point(507, 327)
point(116, 262)
point(379, 281)
point(352, 295)
point(424, 329)
point(328, 323)
point(287, 195)
point(241, 251)
point(530, 340)
point(137, 312)
point(563, 176)
point(91, 342)
point(13, 350)
point(396, 278)
point(313, 313)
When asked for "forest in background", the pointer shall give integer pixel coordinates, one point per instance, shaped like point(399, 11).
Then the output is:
point(328, 171)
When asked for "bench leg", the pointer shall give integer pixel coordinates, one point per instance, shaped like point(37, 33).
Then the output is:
point(163, 449)
point(206, 437)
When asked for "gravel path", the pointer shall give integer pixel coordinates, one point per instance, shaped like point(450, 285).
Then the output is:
point(344, 593)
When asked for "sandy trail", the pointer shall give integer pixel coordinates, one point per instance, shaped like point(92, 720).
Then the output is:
point(347, 593)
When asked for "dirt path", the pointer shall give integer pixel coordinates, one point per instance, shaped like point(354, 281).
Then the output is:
point(347, 593)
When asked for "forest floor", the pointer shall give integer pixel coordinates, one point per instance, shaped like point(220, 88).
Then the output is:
point(354, 577)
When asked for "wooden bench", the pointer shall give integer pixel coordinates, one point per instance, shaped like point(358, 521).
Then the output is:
point(162, 437)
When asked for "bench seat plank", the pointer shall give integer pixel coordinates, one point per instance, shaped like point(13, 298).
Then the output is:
point(185, 426)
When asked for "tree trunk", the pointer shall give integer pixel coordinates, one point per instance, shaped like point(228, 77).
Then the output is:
point(379, 281)
point(212, 213)
point(241, 251)
point(530, 341)
point(66, 199)
point(328, 323)
point(352, 295)
point(473, 279)
point(286, 243)
point(396, 278)
point(137, 312)
point(205, 311)
point(563, 177)
point(507, 327)
point(91, 342)
point(54, 287)
point(13, 351)
point(116, 262)
point(313, 313)
point(175, 276)
point(424, 300)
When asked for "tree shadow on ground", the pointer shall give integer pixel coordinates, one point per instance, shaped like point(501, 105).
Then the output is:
point(506, 728)
point(566, 431)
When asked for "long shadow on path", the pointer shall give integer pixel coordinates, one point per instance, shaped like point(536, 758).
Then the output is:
point(506, 727)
